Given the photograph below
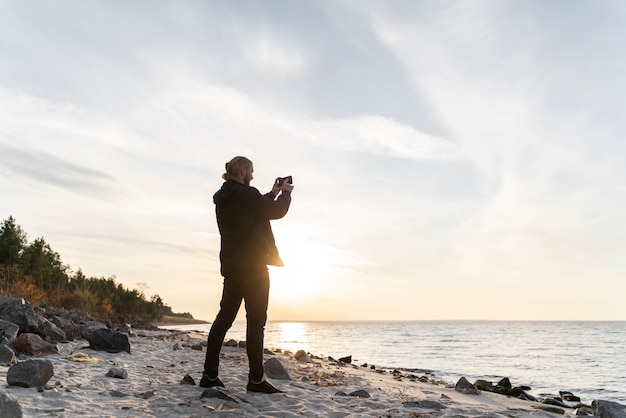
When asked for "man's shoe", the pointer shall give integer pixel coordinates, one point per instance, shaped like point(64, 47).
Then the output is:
point(207, 382)
point(263, 387)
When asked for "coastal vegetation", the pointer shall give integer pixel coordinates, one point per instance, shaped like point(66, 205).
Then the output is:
point(35, 272)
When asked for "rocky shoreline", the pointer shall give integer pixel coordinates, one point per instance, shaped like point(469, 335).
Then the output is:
point(58, 363)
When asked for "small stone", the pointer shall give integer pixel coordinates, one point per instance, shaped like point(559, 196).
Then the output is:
point(505, 383)
point(197, 347)
point(188, 380)
point(146, 395)
point(117, 373)
point(230, 343)
point(426, 404)
point(274, 369)
point(360, 394)
point(214, 393)
point(347, 359)
point(241, 344)
point(341, 393)
point(177, 346)
point(302, 356)
point(464, 386)
point(118, 394)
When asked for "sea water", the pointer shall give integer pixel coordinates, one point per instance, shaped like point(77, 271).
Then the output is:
point(586, 358)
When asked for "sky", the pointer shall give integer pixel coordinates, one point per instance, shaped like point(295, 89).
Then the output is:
point(451, 159)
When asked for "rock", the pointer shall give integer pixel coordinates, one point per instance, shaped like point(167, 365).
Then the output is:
point(62, 322)
point(241, 344)
point(8, 330)
point(188, 380)
point(505, 383)
point(274, 369)
point(197, 347)
point(347, 359)
point(117, 373)
point(7, 355)
point(484, 385)
point(214, 393)
point(9, 406)
point(426, 404)
point(50, 331)
point(608, 409)
point(553, 402)
point(33, 345)
point(118, 394)
point(94, 325)
point(146, 395)
point(177, 346)
point(230, 343)
point(464, 386)
point(360, 394)
point(302, 356)
point(17, 311)
point(568, 396)
point(341, 393)
point(30, 373)
point(108, 340)
point(582, 412)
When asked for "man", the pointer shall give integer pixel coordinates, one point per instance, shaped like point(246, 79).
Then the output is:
point(247, 248)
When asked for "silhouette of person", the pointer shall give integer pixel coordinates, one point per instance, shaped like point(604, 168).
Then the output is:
point(247, 248)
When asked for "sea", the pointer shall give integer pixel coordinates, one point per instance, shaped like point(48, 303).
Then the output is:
point(585, 358)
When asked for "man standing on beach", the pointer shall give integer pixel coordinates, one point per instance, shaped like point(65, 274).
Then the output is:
point(247, 248)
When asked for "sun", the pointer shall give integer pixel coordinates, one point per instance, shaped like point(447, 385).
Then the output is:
point(308, 269)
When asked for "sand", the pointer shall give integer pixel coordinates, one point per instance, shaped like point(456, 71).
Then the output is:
point(155, 371)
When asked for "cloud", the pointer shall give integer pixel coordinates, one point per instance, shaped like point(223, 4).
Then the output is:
point(46, 168)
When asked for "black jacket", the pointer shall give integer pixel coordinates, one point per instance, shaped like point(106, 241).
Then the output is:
point(243, 218)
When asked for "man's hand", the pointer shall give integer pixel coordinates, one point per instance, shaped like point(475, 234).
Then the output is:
point(286, 187)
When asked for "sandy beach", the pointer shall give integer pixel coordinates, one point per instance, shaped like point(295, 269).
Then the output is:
point(157, 365)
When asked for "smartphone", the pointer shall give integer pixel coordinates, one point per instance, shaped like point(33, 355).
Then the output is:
point(283, 180)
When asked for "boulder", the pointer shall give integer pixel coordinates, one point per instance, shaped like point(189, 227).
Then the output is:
point(464, 386)
point(30, 373)
point(608, 409)
point(274, 369)
point(8, 330)
point(23, 315)
point(9, 406)
point(7, 354)
point(62, 323)
point(33, 345)
point(108, 340)
point(94, 325)
point(51, 332)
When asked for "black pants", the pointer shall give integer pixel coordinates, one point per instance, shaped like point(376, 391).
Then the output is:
point(253, 289)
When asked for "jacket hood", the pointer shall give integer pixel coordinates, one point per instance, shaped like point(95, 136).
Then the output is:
point(226, 192)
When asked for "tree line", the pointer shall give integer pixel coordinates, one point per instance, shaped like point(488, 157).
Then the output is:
point(36, 273)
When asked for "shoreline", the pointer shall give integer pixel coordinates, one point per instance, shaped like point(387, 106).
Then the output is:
point(161, 359)
point(174, 320)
